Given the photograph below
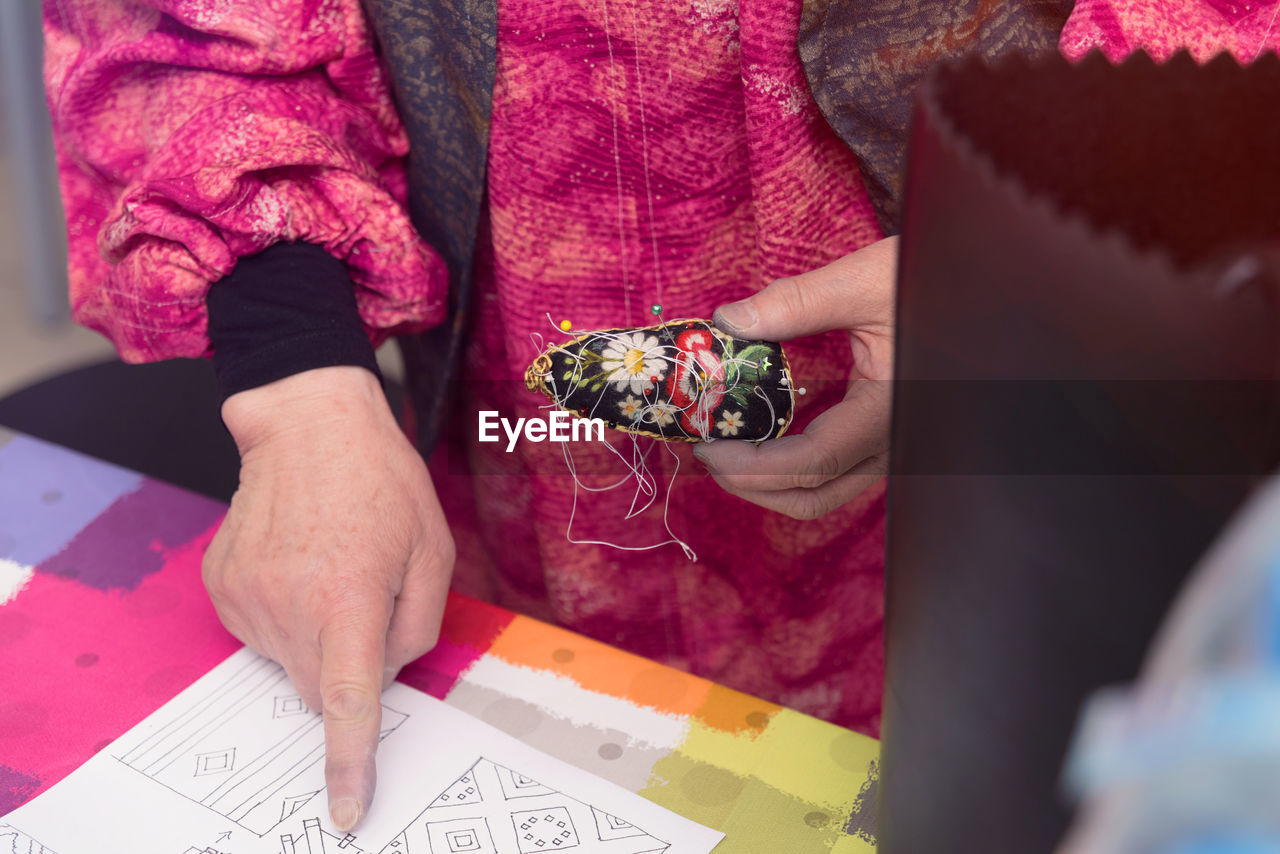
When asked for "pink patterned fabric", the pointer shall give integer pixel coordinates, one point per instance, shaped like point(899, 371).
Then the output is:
point(1205, 27)
point(193, 132)
point(641, 153)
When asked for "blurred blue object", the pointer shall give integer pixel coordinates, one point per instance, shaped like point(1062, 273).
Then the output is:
point(1228, 846)
point(1188, 760)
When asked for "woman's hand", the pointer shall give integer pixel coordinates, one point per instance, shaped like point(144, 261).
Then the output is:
point(845, 449)
point(334, 558)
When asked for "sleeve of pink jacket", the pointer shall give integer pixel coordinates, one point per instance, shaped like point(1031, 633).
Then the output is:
point(191, 133)
point(1161, 27)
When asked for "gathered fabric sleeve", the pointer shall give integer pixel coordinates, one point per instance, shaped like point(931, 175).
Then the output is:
point(193, 133)
point(1162, 27)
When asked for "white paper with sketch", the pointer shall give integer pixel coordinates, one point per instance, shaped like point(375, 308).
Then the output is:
point(234, 765)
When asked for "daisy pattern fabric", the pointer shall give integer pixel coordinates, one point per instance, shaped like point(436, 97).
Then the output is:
point(681, 381)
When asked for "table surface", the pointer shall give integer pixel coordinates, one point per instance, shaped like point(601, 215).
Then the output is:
point(103, 619)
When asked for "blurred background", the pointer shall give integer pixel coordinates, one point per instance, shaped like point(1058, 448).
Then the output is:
point(37, 337)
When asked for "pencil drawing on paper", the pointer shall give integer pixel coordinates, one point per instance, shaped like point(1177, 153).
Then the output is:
point(491, 809)
point(216, 848)
point(315, 840)
point(242, 749)
point(14, 841)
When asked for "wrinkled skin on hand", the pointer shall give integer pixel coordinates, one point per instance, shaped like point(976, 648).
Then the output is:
point(845, 449)
point(334, 559)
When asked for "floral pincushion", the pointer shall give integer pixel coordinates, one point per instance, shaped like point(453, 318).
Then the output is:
point(682, 380)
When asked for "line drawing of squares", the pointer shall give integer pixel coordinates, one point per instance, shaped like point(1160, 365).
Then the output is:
point(247, 756)
point(463, 840)
point(459, 836)
point(549, 829)
point(511, 813)
point(216, 762)
point(316, 840)
point(289, 705)
point(14, 841)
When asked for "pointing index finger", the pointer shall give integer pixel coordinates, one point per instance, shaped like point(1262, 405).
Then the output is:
point(352, 653)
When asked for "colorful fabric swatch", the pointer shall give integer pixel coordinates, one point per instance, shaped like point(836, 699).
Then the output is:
point(682, 380)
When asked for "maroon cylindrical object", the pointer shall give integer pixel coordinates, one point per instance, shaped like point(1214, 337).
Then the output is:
point(1085, 391)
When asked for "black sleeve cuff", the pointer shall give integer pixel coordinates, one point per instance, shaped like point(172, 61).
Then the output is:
point(288, 309)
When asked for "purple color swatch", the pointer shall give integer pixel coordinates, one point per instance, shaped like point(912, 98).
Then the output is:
point(126, 543)
point(49, 494)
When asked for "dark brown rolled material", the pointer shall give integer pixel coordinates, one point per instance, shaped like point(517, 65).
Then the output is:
point(1085, 391)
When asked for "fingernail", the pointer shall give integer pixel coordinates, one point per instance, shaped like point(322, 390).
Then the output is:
point(700, 452)
point(345, 814)
point(736, 317)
